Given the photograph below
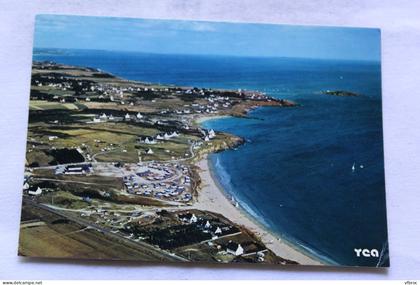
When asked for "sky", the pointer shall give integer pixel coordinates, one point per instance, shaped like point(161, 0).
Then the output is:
point(206, 38)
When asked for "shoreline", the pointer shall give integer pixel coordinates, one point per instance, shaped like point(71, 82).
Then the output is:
point(203, 119)
point(212, 198)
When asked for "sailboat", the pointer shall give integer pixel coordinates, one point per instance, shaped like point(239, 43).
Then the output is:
point(353, 167)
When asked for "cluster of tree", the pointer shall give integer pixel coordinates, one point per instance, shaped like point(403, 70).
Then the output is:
point(170, 237)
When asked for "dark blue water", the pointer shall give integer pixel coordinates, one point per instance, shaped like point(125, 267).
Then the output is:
point(294, 174)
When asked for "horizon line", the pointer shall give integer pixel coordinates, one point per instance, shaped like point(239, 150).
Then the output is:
point(209, 55)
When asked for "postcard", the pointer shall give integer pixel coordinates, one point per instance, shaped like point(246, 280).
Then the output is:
point(215, 142)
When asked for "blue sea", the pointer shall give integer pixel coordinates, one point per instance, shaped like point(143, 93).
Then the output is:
point(294, 173)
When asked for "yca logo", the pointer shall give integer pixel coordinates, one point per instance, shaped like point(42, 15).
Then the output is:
point(366, 252)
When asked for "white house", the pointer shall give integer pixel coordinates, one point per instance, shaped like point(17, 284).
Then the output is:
point(218, 231)
point(168, 136)
point(212, 134)
point(26, 186)
point(234, 248)
point(139, 116)
point(149, 141)
point(260, 254)
point(149, 151)
point(127, 116)
point(37, 192)
point(207, 225)
point(193, 219)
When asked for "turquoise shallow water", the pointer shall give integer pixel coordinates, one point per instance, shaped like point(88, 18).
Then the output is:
point(294, 173)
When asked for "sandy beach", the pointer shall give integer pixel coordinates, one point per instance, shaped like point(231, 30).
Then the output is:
point(202, 119)
point(211, 198)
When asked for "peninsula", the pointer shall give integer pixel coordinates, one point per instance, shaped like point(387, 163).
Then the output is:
point(117, 169)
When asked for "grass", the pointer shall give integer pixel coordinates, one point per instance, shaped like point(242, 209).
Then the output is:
point(72, 189)
point(47, 105)
point(37, 155)
point(120, 138)
point(70, 240)
point(200, 252)
point(64, 199)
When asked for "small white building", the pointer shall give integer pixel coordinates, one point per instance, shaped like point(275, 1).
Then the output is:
point(193, 219)
point(212, 134)
point(218, 230)
point(37, 192)
point(127, 116)
point(149, 151)
point(234, 248)
point(167, 136)
point(149, 141)
point(139, 116)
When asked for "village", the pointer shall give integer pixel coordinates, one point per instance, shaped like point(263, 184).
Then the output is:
point(83, 89)
point(179, 228)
